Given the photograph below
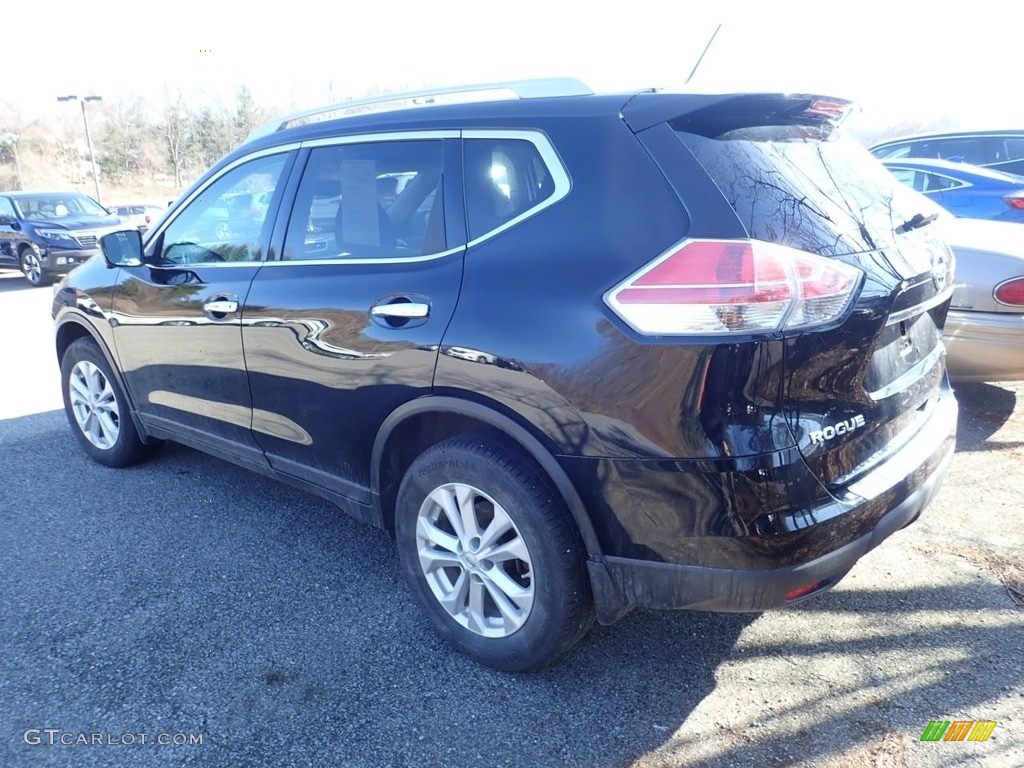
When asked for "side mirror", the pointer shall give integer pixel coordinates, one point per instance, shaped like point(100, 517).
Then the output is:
point(8, 221)
point(122, 249)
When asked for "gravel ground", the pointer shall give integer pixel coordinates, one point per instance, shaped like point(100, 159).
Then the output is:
point(189, 598)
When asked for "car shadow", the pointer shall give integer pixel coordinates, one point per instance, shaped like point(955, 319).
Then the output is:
point(984, 408)
point(900, 674)
point(188, 595)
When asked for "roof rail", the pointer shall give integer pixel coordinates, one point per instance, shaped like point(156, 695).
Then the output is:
point(514, 89)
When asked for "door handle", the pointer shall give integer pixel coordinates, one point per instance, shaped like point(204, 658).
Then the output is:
point(404, 310)
point(221, 307)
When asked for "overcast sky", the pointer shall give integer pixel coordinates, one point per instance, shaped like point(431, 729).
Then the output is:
point(899, 60)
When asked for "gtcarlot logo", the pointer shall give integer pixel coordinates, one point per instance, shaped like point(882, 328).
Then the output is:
point(57, 736)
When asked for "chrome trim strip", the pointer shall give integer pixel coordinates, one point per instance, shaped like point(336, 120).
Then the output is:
point(912, 454)
point(363, 138)
point(555, 166)
point(386, 260)
point(917, 309)
point(912, 374)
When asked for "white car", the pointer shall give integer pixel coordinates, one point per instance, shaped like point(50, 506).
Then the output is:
point(141, 215)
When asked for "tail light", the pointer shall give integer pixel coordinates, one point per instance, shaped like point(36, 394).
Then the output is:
point(1015, 200)
point(1010, 292)
point(734, 286)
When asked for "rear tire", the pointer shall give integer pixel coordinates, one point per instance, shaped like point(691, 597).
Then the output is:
point(491, 554)
point(97, 409)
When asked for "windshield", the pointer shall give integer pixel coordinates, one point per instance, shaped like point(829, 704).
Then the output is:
point(58, 206)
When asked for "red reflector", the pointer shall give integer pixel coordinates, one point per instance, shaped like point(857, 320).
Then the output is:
point(805, 590)
point(1011, 292)
point(1015, 202)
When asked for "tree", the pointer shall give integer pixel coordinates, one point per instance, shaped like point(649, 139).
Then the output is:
point(176, 134)
point(125, 145)
point(247, 115)
point(16, 132)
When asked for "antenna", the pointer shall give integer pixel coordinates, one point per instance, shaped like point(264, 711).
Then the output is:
point(701, 57)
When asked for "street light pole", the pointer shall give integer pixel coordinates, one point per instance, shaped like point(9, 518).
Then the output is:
point(88, 138)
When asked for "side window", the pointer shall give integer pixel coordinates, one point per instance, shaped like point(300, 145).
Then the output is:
point(934, 183)
point(962, 150)
point(904, 176)
point(373, 200)
point(1013, 149)
point(504, 179)
point(218, 226)
point(894, 152)
point(6, 209)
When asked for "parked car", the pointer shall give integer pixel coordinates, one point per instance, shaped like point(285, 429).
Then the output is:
point(1000, 150)
point(46, 234)
point(985, 329)
point(717, 375)
point(142, 215)
point(964, 190)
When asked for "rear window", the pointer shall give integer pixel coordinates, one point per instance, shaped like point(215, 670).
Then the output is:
point(815, 190)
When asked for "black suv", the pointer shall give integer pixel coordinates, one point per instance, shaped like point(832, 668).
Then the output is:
point(47, 234)
point(577, 352)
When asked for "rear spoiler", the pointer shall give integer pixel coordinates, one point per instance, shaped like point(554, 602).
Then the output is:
point(712, 115)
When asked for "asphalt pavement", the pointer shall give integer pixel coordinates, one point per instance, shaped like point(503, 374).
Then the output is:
point(186, 612)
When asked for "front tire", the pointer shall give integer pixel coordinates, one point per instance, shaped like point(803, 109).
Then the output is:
point(32, 267)
point(491, 554)
point(97, 409)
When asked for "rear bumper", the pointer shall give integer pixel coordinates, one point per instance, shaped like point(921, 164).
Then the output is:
point(984, 346)
point(891, 496)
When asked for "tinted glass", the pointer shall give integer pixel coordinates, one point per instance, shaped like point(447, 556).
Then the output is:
point(1013, 149)
point(905, 176)
point(212, 228)
point(504, 179)
point(825, 196)
point(934, 183)
point(372, 200)
point(977, 151)
point(6, 209)
point(892, 152)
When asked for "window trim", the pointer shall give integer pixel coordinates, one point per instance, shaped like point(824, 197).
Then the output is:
point(551, 159)
point(548, 154)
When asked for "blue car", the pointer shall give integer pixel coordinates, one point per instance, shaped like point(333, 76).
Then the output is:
point(968, 191)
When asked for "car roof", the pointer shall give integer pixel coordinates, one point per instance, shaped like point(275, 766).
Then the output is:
point(948, 135)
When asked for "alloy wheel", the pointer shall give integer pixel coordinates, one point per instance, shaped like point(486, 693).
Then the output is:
point(475, 560)
point(94, 405)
